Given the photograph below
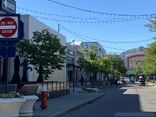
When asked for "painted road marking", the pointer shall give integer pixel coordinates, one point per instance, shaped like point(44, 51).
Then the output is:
point(134, 114)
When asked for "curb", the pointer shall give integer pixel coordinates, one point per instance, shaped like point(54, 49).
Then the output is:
point(59, 114)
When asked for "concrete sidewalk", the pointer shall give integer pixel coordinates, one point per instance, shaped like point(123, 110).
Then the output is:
point(64, 104)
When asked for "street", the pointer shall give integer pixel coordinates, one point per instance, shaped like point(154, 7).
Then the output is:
point(128, 101)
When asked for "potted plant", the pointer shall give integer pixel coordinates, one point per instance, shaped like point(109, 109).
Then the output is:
point(28, 92)
point(10, 104)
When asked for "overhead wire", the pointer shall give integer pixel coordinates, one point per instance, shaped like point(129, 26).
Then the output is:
point(79, 36)
point(91, 20)
point(56, 15)
point(82, 20)
point(115, 42)
point(100, 13)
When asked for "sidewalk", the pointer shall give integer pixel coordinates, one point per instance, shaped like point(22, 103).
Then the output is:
point(64, 104)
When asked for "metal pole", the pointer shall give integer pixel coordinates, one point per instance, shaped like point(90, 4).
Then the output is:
point(74, 80)
point(58, 27)
point(6, 71)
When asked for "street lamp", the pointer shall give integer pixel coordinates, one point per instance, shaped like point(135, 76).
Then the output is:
point(74, 69)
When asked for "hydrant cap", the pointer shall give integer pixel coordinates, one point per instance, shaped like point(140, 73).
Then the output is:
point(43, 88)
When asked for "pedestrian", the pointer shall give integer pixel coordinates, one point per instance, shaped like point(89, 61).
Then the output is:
point(82, 80)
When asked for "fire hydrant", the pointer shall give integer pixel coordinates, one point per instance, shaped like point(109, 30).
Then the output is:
point(44, 96)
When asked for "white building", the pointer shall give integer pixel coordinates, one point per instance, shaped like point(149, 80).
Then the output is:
point(31, 25)
point(101, 50)
point(74, 53)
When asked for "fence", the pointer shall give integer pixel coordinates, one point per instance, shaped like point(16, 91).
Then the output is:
point(87, 84)
point(7, 87)
point(56, 88)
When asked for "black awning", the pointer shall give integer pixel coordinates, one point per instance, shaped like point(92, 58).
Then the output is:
point(72, 65)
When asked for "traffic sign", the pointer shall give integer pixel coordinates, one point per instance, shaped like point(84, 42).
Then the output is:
point(9, 27)
point(11, 31)
point(8, 6)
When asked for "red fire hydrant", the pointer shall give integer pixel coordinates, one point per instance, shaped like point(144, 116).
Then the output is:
point(44, 96)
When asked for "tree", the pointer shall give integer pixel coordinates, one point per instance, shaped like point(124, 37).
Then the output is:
point(112, 64)
point(149, 65)
point(90, 62)
point(150, 59)
point(137, 70)
point(44, 51)
point(152, 25)
point(118, 66)
point(108, 64)
point(105, 65)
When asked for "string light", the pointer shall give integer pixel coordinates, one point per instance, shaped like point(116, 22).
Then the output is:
point(56, 15)
point(79, 36)
point(82, 20)
point(115, 42)
point(100, 13)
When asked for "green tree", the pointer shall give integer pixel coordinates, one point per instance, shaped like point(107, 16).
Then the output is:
point(44, 51)
point(90, 62)
point(137, 70)
point(149, 65)
point(152, 24)
point(118, 66)
point(105, 65)
point(112, 64)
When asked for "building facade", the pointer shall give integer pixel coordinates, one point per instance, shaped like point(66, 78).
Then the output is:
point(133, 58)
point(74, 53)
point(101, 53)
point(31, 25)
point(101, 50)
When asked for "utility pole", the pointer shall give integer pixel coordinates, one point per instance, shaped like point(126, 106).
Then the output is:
point(74, 78)
point(58, 27)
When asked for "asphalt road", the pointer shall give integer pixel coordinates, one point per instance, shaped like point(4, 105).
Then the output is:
point(127, 101)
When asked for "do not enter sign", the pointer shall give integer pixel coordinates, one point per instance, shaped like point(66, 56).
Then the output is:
point(9, 27)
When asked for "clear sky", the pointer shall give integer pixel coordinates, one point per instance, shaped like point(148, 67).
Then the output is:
point(124, 20)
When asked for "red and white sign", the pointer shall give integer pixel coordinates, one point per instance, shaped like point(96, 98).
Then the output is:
point(9, 27)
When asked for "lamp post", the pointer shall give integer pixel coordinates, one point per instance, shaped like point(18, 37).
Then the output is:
point(74, 69)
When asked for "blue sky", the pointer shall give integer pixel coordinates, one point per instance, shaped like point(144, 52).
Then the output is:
point(114, 28)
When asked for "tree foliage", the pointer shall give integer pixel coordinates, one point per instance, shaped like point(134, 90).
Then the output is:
point(112, 64)
point(44, 51)
point(149, 65)
point(90, 61)
point(137, 70)
point(108, 64)
point(152, 24)
point(118, 66)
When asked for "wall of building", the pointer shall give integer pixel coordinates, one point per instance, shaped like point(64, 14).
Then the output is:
point(73, 54)
point(132, 58)
point(31, 25)
point(100, 48)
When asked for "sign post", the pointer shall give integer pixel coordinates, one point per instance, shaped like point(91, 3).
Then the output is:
point(9, 32)
point(10, 27)
point(8, 6)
